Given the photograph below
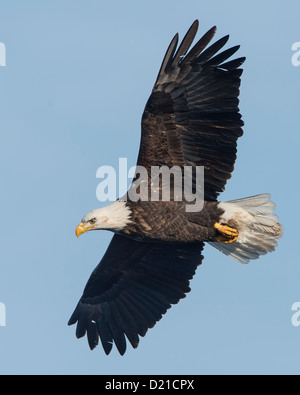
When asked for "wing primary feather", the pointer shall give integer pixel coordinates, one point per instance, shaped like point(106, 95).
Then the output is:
point(81, 326)
point(212, 50)
point(233, 64)
point(147, 315)
point(168, 57)
point(128, 323)
point(117, 330)
point(186, 43)
point(218, 59)
point(74, 316)
point(105, 336)
point(92, 334)
point(104, 329)
point(199, 46)
point(138, 319)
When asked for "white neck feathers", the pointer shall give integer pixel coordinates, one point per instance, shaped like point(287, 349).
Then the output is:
point(114, 216)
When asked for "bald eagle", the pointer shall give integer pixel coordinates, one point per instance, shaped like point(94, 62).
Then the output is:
point(191, 119)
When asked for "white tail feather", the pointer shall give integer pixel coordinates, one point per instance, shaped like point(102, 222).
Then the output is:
point(258, 227)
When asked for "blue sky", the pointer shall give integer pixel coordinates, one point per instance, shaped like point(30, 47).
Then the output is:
point(77, 78)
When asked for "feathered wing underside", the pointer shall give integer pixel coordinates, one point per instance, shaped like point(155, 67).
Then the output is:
point(132, 287)
point(192, 116)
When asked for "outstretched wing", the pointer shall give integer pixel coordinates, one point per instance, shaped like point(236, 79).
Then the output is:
point(132, 287)
point(192, 116)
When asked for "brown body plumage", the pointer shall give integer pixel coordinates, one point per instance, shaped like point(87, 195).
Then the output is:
point(169, 222)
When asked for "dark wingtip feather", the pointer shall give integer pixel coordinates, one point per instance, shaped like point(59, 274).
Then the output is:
point(194, 26)
point(92, 335)
point(218, 59)
point(107, 347)
point(199, 46)
point(186, 43)
point(81, 329)
point(233, 64)
point(72, 321)
point(168, 57)
point(122, 349)
point(212, 50)
point(74, 317)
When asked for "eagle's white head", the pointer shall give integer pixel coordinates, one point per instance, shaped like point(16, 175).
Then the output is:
point(115, 216)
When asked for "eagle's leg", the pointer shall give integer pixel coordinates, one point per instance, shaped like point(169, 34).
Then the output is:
point(228, 234)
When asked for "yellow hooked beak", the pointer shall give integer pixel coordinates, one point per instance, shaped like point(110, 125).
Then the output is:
point(82, 228)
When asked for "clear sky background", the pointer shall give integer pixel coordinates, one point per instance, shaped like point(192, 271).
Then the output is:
point(77, 78)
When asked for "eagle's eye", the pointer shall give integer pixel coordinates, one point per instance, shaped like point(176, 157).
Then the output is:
point(92, 221)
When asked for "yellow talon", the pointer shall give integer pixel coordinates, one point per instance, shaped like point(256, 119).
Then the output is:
point(228, 234)
point(225, 239)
